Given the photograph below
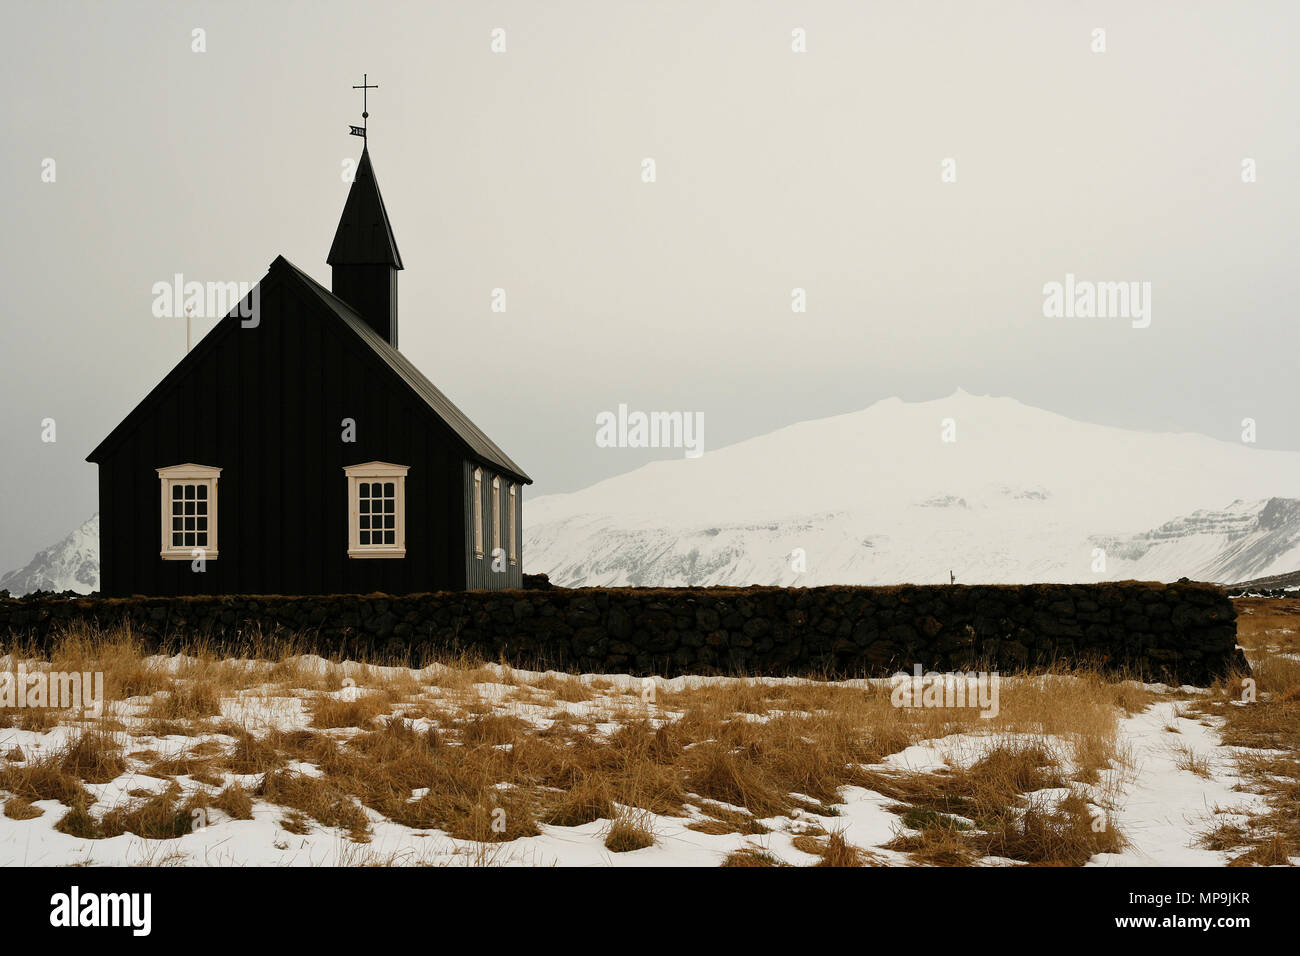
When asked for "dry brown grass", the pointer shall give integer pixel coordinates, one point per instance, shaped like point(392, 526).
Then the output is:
point(721, 819)
point(318, 798)
point(1068, 833)
point(333, 712)
point(79, 822)
point(93, 757)
point(1267, 628)
point(835, 850)
point(991, 808)
point(43, 779)
point(18, 808)
point(752, 856)
point(190, 763)
point(1185, 758)
point(568, 688)
point(235, 801)
point(585, 801)
point(250, 754)
point(296, 822)
point(493, 729)
point(117, 653)
point(187, 701)
point(630, 831)
point(162, 816)
point(440, 750)
point(36, 719)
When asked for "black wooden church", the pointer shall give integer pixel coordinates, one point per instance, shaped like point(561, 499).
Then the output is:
point(299, 452)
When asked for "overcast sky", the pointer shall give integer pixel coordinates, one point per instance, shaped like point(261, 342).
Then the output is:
point(522, 170)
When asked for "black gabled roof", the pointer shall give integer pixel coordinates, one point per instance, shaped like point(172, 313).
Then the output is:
point(479, 445)
point(364, 235)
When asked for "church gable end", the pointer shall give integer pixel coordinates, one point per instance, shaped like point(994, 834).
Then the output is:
point(302, 453)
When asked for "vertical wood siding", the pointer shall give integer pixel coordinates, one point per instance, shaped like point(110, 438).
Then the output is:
point(266, 406)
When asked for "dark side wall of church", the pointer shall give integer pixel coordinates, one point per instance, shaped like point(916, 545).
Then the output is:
point(480, 572)
point(266, 406)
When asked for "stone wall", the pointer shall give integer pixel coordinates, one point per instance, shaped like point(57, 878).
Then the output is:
point(1183, 632)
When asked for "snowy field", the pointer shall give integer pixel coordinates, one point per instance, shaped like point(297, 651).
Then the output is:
point(1161, 810)
point(305, 762)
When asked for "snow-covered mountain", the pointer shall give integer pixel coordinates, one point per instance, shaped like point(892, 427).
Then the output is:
point(1247, 540)
point(70, 565)
point(878, 496)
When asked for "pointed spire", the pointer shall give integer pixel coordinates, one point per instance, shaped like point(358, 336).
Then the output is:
point(364, 235)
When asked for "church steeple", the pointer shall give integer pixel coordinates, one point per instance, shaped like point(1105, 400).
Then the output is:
point(364, 255)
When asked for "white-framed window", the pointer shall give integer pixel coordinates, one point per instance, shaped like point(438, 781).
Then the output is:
point(478, 512)
point(376, 510)
point(189, 511)
point(512, 545)
point(496, 515)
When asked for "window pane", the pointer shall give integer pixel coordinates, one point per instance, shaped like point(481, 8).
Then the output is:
point(388, 537)
point(363, 489)
point(365, 506)
point(190, 514)
point(365, 522)
point(390, 489)
point(365, 537)
point(388, 506)
point(388, 521)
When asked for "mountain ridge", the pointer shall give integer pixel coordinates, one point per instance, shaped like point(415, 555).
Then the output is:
point(878, 496)
point(70, 564)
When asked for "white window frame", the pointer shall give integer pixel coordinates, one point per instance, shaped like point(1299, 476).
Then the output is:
point(188, 474)
point(512, 545)
point(478, 512)
point(496, 515)
point(376, 471)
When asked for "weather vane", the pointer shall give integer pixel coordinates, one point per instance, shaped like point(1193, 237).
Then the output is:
point(365, 87)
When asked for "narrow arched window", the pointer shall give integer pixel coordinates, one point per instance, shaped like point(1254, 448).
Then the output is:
point(478, 512)
point(512, 544)
point(496, 515)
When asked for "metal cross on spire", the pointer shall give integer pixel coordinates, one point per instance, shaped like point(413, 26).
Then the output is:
point(365, 87)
